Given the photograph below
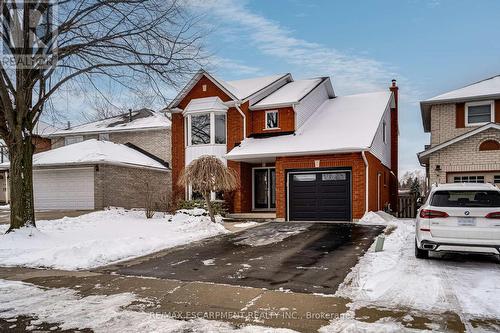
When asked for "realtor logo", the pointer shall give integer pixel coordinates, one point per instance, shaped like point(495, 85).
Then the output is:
point(467, 213)
point(31, 46)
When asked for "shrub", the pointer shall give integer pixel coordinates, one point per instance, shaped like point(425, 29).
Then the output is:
point(219, 206)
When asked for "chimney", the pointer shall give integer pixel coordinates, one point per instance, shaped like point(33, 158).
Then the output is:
point(129, 115)
point(68, 125)
point(394, 145)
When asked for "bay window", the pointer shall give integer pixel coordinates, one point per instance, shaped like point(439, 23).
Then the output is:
point(206, 128)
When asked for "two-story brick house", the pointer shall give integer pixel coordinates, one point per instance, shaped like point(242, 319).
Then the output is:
point(300, 151)
point(121, 161)
point(465, 134)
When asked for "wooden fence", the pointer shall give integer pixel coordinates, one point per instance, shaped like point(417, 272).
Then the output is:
point(407, 205)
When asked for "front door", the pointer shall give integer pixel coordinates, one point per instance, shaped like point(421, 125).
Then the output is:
point(264, 188)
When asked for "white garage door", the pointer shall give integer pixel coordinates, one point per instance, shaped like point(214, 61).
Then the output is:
point(64, 189)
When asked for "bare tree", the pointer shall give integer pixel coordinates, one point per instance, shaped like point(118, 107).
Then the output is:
point(208, 174)
point(49, 44)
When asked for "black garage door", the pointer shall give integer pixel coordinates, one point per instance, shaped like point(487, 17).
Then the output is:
point(319, 196)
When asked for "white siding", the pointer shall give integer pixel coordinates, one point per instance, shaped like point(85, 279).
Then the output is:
point(380, 149)
point(309, 104)
point(193, 152)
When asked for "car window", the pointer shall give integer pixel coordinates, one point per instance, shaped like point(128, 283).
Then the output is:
point(466, 199)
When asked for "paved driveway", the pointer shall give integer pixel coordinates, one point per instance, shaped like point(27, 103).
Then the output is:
point(301, 257)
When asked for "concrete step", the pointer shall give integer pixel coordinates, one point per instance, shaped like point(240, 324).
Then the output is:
point(257, 217)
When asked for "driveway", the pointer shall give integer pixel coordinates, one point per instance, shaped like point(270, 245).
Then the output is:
point(300, 257)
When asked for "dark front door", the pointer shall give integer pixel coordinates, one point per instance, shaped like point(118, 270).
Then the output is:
point(319, 196)
point(264, 188)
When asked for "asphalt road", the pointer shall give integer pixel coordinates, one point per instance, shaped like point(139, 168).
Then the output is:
point(300, 257)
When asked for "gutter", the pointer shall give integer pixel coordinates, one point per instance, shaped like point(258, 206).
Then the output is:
point(237, 106)
point(366, 180)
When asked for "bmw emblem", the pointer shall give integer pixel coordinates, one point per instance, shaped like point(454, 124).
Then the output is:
point(467, 213)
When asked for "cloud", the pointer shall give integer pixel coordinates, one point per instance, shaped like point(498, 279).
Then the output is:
point(351, 72)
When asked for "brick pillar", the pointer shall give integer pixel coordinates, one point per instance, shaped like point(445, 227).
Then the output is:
point(394, 147)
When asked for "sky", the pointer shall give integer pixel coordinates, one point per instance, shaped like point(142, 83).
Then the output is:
point(428, 46)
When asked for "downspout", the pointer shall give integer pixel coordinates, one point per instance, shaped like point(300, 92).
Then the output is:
point(244, 120)
point(366, 180)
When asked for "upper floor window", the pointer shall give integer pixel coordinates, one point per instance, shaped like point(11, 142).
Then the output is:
point(69, 140)
point(384, 131)
point(479, 113)
point(206, 128)
point(271, 119)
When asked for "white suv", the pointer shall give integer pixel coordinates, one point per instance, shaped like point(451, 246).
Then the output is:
point(459, 218)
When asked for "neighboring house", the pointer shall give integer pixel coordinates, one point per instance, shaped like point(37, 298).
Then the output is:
point(146, 129)
point(465, 134)
point(42, 142)
point(298, 149)
point(120, 161)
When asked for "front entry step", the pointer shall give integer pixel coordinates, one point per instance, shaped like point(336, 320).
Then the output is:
point(257, 217)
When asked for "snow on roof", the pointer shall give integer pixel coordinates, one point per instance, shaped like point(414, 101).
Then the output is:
point(205, 104)
point(94, 152)
point(245, 88)
point(487, 87)
point(290, 93)
point(141, 120)
point(43, 129)
point(344, 123)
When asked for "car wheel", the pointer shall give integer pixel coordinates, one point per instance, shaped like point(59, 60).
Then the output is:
point(421, 254)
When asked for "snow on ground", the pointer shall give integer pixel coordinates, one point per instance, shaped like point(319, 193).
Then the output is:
point(100, 313)
point(246, 224)
point(395, 278)
point(101, 237)
point(377, 218)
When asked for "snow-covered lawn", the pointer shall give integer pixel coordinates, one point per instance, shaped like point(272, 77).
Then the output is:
point(394, 278)
point(101, 237)
point(99, 313)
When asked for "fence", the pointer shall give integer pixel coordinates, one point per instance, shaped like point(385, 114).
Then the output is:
point(407, 205)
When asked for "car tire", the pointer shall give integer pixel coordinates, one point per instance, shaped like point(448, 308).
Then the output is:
point(421, 254)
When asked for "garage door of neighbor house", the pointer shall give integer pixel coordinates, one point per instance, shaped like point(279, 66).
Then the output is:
point(319, 195)
point(64, 189)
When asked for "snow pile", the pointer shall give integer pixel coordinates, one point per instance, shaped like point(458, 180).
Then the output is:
point(350, 325)
point(395, 278)
point(246, 224)
point(99, 313)
point(377, 218)
point(100, 238)
point(269, 235)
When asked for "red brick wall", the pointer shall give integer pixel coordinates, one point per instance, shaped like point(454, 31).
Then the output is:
point(352, 160)
point(375, 168)
point(241, 200)
point(178, 155)
point(286, 121)
point(393, 183)
point(41, 144)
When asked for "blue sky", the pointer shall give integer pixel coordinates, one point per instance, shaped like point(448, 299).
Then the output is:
point(429, 46)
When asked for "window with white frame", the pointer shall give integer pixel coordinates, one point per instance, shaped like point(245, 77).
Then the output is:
point(479, 113)
point(272, 119)
point(206, 128)
point(384, 131)
point(69, 140)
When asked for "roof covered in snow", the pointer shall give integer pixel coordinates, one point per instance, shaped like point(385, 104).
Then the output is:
point(290, 93)
point(142, 119)
point(44, 129)
point(94, 152)
point(485, 89)
point(342, 124)
point(205, 104)
point(238, 90)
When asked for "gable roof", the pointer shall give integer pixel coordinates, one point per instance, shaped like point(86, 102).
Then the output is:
point(341, 124)
point(94, 152)
point(459, 138)
point(143, 119)
point(44, 129)
point(485, 89)
point(238, 90)
point(291, 93)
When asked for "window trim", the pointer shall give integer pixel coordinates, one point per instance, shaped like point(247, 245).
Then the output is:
point(277, 120)
point(491, 103)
